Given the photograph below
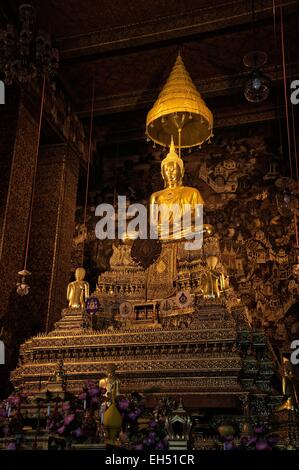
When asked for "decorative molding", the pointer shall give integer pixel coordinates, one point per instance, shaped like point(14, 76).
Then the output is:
point(210, 18)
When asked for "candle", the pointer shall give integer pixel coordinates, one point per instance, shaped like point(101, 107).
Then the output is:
point(49, 410)
point(9, 411)
point(84, 404)
point(102, 412)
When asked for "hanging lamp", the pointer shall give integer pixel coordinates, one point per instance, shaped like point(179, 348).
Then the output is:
point(257, 85)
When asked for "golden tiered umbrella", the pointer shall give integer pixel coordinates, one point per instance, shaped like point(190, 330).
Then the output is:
point(180, 112)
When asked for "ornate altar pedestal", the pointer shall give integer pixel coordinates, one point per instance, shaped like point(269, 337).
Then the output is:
point(200, 358)
point(184, 344)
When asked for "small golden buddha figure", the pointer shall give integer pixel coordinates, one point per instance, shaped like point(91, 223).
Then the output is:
point(175, 205)
point(224, 281)
point(288, 387)
point(111, 383)
point(78, 290)
point(211, 288)
point(57, 382)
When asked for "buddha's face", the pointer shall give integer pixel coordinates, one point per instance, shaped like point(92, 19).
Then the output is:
point(80, 274)
point(172, 174)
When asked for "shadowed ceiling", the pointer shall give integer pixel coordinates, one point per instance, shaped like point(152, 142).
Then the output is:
point(129, 46)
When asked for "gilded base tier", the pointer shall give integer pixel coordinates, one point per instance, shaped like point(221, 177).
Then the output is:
point(174, 329)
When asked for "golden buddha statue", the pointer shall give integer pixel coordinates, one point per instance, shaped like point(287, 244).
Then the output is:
point(78, 290)
point(176, 207)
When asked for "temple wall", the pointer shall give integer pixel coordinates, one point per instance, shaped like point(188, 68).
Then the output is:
point(52, 228)
point(240, 176)
point(15, 206)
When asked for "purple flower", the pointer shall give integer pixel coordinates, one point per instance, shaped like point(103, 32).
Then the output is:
point(123, 404)
point(152, 435)
point(93, 392)
point(258, 429)
point(262, 444)
point(252, 440)
point(2, 413)
point(11, 446)
point(132, 415)
point(65, 406)
point(82, 396)
point(153, 424)
point(90, 384)
point(77, 432)
point(228, 446)
point(148, 441)
point(61, 430)
point(138, 447)
point(15, 400)
point(159, 446)
point(50, 424)
point(68, 419)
